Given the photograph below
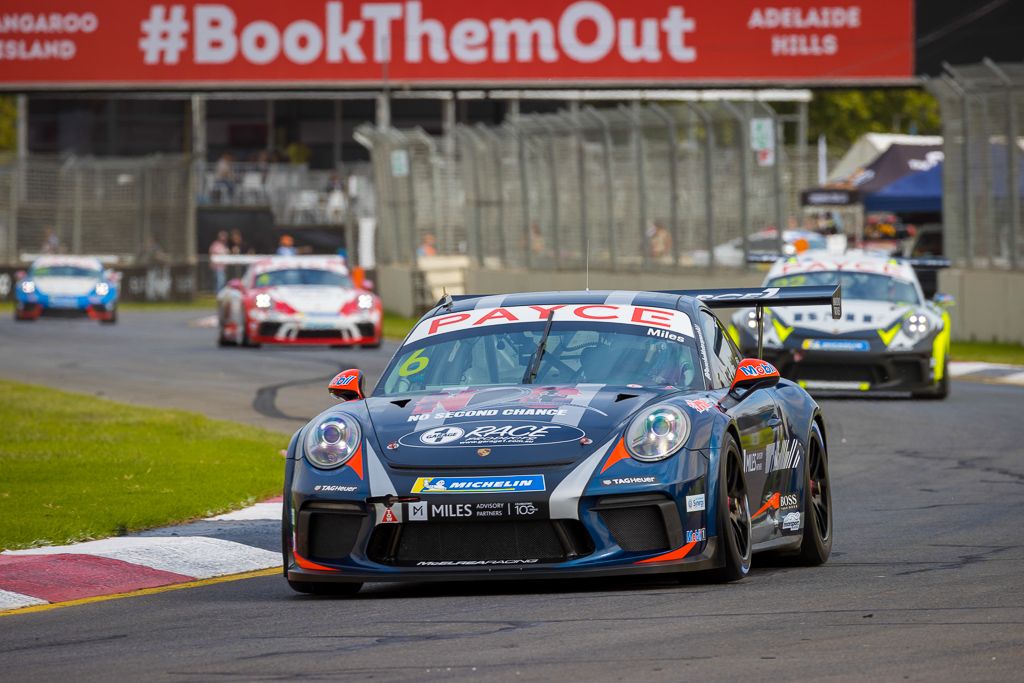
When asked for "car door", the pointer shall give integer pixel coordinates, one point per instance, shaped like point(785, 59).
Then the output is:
point(760, 426)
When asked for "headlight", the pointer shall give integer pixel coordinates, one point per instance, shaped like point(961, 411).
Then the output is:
point(916, 325)
point(332, 441)
point(102, 289)
point(657, 433)
point(752, 320)
point(263, 301)
point(28, 287)
point(365, 301)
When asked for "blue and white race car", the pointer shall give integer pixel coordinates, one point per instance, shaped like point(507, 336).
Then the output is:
point(561, 434)
point(67, 285)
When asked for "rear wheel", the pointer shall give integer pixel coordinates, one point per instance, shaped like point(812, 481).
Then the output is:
point(816, 544)
point(733, 516)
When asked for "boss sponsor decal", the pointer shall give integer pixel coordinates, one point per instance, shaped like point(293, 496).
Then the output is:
point(791, 522)
point(788, 500)
point(836, 345)
point(334, 488)
point(497, 433)
point(424, 511)
point(645, 316)
point(623, 481)
point(519, 484)
point(701, 405)
point(696, 535)
point(695, 503)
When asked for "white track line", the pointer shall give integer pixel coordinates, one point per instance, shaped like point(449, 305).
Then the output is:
point(253, 513)
point(10, 600)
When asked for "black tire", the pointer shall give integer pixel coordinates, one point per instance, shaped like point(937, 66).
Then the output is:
point(733, 516)
point(816, 544)
point(324, 587)
point(21, 318)
point(941, 388)
point(246, 341)
point(374, 345)
point(222, 340)
point(110, 321)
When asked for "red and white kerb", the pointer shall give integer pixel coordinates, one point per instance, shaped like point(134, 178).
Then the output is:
point(619, 314)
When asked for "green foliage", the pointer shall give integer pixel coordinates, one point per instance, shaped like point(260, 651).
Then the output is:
point(988, 352)
point(8, 123)
point(75, 467)
point(844, 115)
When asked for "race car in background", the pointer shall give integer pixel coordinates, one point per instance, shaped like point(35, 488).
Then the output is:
point(67, 286)
point(561, 434)
point(296, 300)
point(890, 338)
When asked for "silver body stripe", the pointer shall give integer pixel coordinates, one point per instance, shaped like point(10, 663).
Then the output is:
point(380, 482)
point(492, 301)
point(575, 411)
point(621, 298)
point(565, 499)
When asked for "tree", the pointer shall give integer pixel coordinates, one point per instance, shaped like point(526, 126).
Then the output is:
point(842, 116)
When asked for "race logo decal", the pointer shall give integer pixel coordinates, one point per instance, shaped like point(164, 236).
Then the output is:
point(836, 345)
point(783, 455)
point(417, 512)
point(424, 511)
point(389, 517)
point(791, 522)
point(696, 535)
point(490, 434)
point(701, 405)
point(519, 484)
point(626, 481)
point(695, 503)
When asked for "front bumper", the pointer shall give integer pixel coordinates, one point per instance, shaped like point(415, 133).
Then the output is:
point(65, 308)
point(305, 330)
point(855, 371)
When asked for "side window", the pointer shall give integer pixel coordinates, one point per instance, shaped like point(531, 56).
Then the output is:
point(729, 354)
point(714, 340)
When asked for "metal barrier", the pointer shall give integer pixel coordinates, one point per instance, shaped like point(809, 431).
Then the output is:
point(983, 124)
point(140, 209)
point(633, 188)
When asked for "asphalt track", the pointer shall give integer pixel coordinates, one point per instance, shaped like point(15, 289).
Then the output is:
point(924, 581)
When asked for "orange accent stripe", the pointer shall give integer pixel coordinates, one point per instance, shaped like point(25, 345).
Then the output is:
point(356, 463)
point(306, 564)
point(773, 503)
point(618, 453)
point(677, 554)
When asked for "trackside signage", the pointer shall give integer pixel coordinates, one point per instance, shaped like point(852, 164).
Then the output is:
point(668, 320)
point(109, 43)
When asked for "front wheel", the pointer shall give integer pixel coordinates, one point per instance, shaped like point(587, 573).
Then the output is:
point(816, 544)
point(111, 319)
point(941, 389)
point(733, 516)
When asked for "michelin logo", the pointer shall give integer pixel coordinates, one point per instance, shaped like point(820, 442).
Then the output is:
point(520, 484)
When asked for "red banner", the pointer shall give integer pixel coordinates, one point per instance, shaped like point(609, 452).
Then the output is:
point(240, 43)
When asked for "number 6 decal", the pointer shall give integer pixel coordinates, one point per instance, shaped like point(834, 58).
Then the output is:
point(415, 363)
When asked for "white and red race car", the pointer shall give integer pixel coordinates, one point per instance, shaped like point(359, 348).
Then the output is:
point(296, 300)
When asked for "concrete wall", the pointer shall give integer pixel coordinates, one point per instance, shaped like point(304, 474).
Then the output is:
point(397, 289)
point(989, 304)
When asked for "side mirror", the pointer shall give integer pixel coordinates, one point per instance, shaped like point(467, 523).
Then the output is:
point(20, 275)
point(751, 374)
point(235, 283)
point(347, 385)
point(368, 285)
point(944, 300)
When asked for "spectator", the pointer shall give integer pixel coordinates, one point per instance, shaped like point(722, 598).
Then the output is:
point(659, 240)
point(219, 247)
point(51, 243)
point(152, 253)
point(427, 246)
point(237, 243)
point(536, 239)
point(298, 153)
point(224, 179)
point(286, 246)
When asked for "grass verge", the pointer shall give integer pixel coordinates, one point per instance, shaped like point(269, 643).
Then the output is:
point(74, 467)
point(988, 352)
point(397, 326)
point(203, 302)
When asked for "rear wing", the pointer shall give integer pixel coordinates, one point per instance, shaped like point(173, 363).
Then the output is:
point(763, 257)
point(248, 259)
point(760, 297)
point(928, 263)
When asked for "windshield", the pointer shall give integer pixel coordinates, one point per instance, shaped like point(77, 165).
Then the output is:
point(867, 286)
point(302, 276)
point(65, 271)
point(576, 353)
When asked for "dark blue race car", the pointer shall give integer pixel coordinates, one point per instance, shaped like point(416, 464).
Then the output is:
point(561, 434)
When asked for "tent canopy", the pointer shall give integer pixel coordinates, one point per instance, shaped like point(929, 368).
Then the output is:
point(870, 146)
point(919, 192)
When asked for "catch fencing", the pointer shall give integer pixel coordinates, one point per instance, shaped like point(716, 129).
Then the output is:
point(641, 186)
point(140, 210)
point(983, 172)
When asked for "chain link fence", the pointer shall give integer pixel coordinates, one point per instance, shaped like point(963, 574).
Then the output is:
point(636, 187)
point(983, 172)
point(140, 209)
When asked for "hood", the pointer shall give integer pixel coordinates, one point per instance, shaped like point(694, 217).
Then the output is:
point(65, 286)
point(312, 298)
point(858, 315)
point(520, 425)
